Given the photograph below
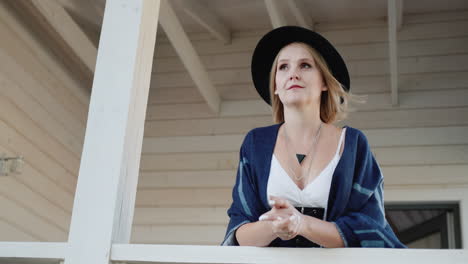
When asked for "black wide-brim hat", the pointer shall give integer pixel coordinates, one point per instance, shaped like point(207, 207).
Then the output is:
point(268, 47)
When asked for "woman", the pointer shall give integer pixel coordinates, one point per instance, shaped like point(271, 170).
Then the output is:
point(304, 182)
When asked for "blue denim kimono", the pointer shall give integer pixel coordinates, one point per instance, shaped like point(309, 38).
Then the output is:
point(355, 201)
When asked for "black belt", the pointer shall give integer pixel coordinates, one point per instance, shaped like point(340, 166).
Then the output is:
point(317, 212)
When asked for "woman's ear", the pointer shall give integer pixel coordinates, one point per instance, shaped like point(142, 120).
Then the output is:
point(324, 88)
point(276, 91)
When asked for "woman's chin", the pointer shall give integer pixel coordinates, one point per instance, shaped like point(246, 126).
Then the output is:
point(298, 101)
point(294, 102)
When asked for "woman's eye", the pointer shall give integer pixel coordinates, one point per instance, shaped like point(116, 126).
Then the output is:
point(306, 65)
point(283, 67)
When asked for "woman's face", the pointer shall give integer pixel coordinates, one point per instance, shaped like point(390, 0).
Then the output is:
point(298, 81)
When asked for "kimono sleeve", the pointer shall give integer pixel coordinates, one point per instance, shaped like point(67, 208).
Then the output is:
point(364, 223)
point(245, 206)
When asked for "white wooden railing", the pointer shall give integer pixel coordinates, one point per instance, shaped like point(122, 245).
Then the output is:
point(32, 252)
point(41, 253)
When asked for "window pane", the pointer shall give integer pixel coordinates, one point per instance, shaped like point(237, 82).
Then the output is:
point(426, 225)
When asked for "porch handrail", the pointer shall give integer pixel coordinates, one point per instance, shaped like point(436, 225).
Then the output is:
point(32, 252)
point(42, 252)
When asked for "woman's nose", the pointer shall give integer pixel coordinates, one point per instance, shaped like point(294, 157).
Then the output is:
point(294, 75)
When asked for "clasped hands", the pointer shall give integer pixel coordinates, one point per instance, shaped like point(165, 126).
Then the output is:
point(284, 218)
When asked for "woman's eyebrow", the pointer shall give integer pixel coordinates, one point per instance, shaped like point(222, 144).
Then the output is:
point(301, 59)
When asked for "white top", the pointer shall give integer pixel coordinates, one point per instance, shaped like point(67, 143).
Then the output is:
point(315, 194)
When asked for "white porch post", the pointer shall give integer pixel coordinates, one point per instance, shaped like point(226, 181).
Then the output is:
point(105, 194)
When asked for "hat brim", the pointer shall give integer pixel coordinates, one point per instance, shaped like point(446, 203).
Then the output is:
point(268, 47)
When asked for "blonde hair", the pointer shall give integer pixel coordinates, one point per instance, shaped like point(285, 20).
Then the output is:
point(333, 102)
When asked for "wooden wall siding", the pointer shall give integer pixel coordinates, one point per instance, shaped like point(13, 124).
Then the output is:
point(11, 233)
point(190, 156)
point(42, 118)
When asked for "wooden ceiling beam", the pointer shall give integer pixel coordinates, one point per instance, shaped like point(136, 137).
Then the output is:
point(91, 11)
point(16, 23)
point(189, 57)
point(87, 14)
point(208, 20)
point(59, 33)
point(277, 16)
point(298, 11)
point(65, 28)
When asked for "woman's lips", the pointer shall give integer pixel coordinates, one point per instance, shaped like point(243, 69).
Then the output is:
point(295, 87)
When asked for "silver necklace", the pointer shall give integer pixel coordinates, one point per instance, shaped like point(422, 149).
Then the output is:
point(312, 149)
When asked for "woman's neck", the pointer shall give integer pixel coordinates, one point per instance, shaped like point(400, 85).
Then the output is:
point(301, 124)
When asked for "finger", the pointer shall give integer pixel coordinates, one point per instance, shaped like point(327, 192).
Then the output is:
point(283, 233)
point(271, 201)
point(289, 224)
point(263, 218)
point(273, 215)
point(294, 219)
point(278, 202)
point(284, 236)
point(282, 223)
point(279, 231)
point(278, 221)
point(267, 217)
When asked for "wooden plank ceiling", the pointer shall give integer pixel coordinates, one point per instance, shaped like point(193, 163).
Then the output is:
point(221, 18)
point(244, 15)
